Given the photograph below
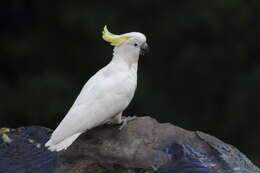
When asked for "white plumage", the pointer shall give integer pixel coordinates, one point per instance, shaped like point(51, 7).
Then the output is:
point(106, 94)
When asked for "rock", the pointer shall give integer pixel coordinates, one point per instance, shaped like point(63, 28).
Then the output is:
point(25, 152)
point(145, 145)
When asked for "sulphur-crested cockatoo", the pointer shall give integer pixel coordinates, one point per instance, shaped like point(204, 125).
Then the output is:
point(106, 94)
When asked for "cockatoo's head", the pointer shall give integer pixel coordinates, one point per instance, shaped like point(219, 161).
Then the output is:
point(133, 43)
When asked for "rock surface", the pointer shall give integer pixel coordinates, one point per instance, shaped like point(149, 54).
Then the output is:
point(25, 152)
point(146, 145)
point(143, 146)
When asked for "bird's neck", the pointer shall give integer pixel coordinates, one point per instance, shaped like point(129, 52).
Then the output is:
point(124, 56)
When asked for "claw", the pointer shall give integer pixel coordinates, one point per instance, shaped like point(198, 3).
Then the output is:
point(125, 121)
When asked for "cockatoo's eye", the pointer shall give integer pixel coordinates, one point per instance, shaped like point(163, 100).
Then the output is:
point(135, 44)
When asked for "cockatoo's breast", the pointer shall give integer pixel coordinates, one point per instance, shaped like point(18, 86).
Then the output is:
point(124, 80)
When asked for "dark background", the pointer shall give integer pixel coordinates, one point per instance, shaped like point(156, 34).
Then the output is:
point(202, 72)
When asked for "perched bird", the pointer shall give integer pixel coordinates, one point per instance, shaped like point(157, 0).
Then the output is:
point(106, 94)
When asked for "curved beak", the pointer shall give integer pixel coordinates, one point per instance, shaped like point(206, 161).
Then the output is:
point(144, 48)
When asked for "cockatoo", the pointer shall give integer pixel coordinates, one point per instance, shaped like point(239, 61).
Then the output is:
point(106, 94)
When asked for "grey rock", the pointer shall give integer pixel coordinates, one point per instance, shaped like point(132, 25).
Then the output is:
point(145, 145)
point(25, 152)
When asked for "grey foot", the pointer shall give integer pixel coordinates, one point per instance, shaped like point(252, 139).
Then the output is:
point(125, 121)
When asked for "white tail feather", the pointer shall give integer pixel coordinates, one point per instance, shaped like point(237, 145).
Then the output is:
point(63, 145)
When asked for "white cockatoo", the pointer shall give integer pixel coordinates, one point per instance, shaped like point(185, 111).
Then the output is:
point(106, 94)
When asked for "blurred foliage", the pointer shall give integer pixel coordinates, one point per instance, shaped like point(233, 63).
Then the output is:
point(202, 73)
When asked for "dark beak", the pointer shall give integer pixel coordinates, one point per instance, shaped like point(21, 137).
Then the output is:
point(144, 48)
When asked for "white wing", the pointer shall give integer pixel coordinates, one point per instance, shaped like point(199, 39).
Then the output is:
point(106, 94)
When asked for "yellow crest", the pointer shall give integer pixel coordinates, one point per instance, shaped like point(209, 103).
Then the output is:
point(113, 39)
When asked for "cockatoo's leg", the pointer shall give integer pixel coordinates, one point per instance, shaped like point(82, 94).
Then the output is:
point(125, 120)
point(116, 119)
